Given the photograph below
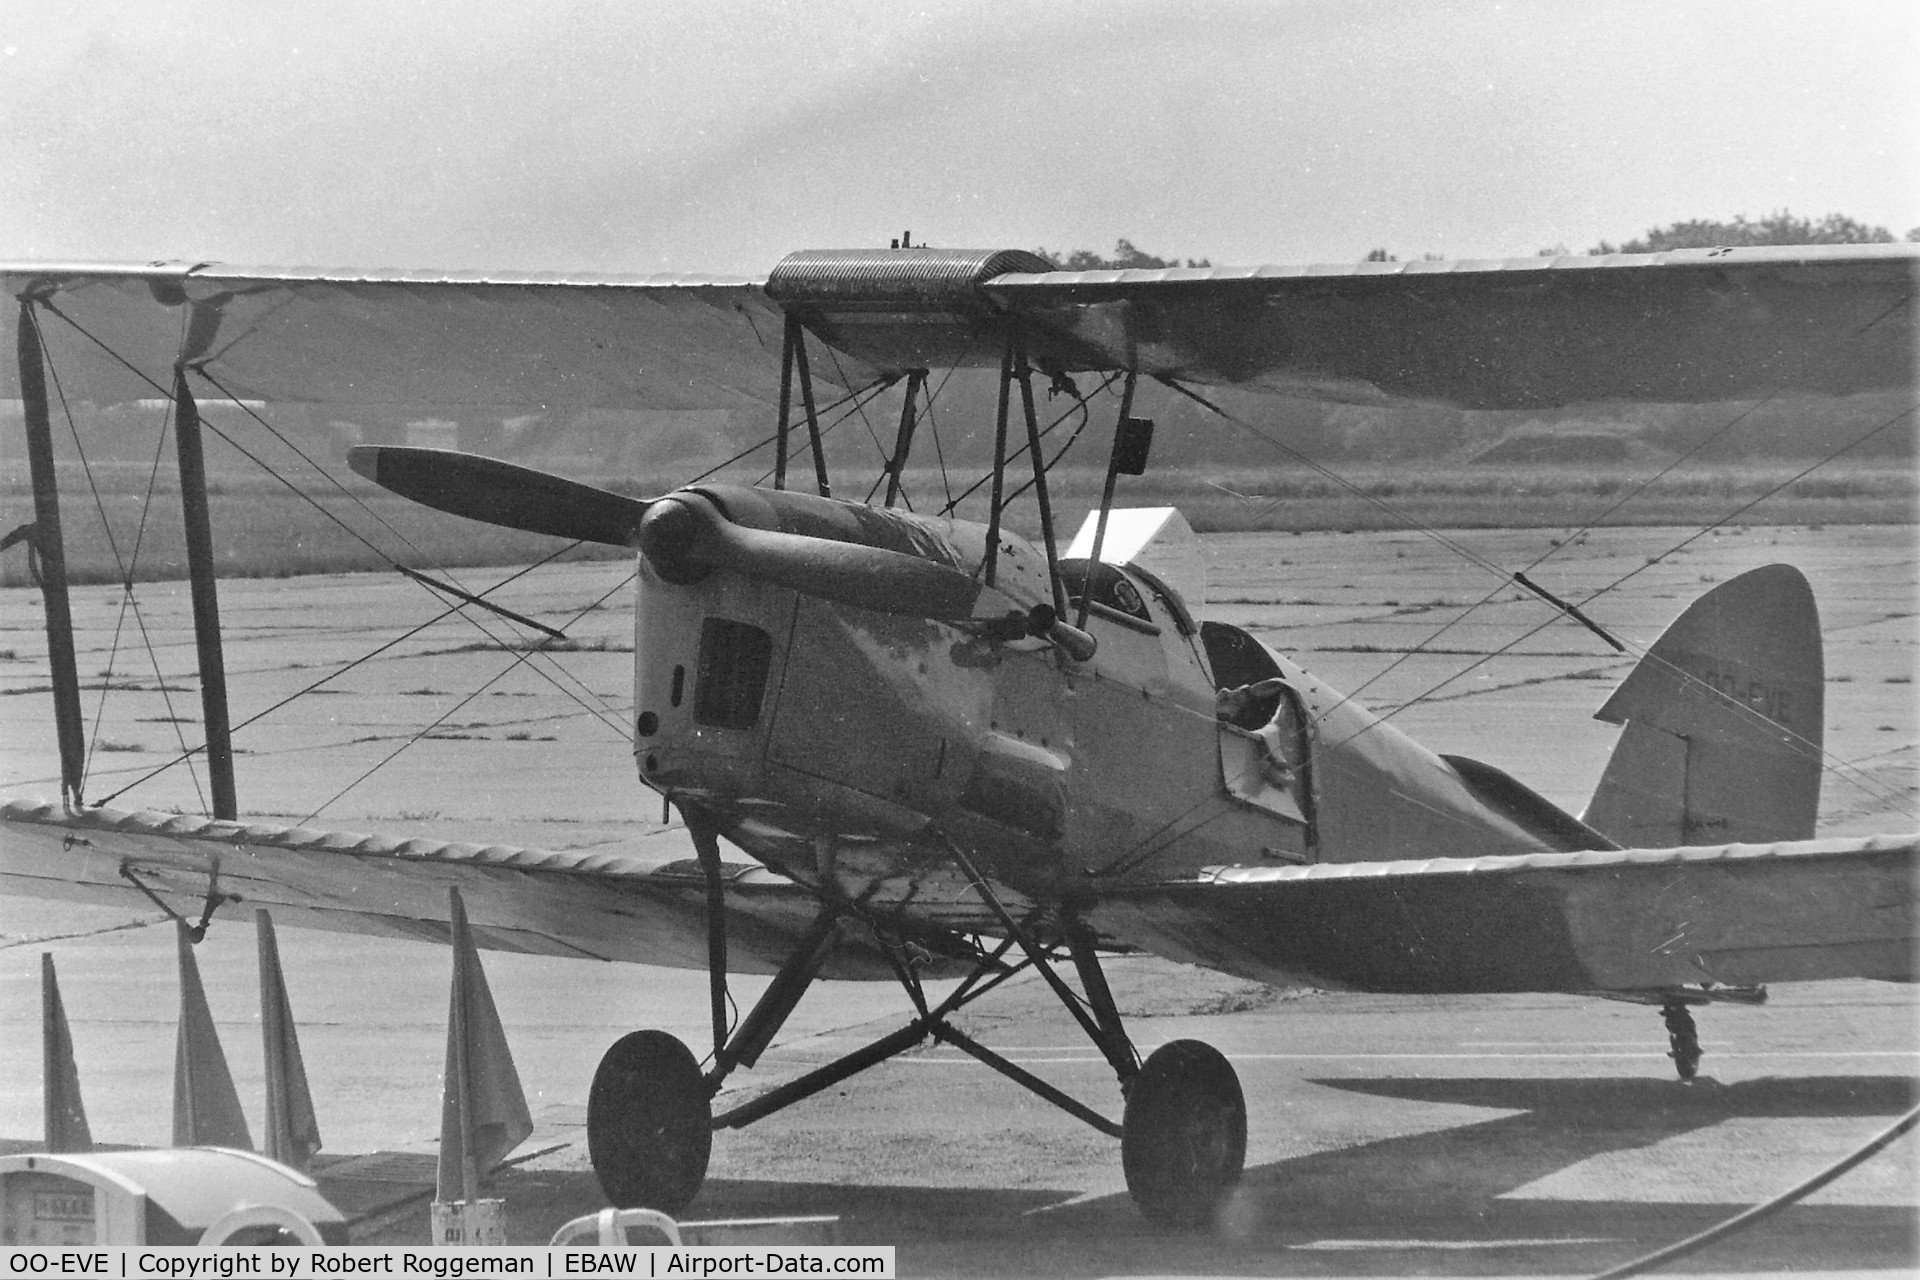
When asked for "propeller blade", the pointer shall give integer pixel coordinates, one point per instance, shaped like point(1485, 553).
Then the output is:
point(495, 492)
point(684, 537)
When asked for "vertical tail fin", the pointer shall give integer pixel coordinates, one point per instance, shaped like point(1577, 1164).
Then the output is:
point(1724, 719)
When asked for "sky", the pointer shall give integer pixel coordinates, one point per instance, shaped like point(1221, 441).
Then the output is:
point(641, 137)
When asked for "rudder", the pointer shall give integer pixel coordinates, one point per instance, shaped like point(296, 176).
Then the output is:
point(1724, 719)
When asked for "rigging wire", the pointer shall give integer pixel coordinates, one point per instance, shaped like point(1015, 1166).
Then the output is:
point(1831, 763)
point(324, 474)
point(1086, 416)
point(1598, 521)
point(919, 391)
point(1079, 406)
point(939, 456)
point(880, 449)
point(854, 405)
point(476, 623)
point(933, 427)
point(1177, 824)
point(461, 612)
point(517, 659)
point(129, 601)
point(335, 674)
point(872, 388)
point(1405, 518)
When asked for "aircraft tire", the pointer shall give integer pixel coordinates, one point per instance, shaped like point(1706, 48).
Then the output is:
point(649, 1123)
point(1183, 1139)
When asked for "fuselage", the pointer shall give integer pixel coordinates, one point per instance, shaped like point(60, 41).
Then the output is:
point(857, 750)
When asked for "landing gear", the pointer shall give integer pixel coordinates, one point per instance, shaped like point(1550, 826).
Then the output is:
point(650, 1119)
point(1183, 1142)
point(1683, 1038)
point(649, 1123)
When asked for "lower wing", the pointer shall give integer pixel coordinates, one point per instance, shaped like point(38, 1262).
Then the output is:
point(589, 905)
point(1615, 921)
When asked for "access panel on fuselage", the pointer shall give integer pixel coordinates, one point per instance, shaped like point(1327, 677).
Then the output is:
point(876, 703)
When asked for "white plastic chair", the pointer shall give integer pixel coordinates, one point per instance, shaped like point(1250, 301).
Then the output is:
point(609, 1227)
point(250, 1216)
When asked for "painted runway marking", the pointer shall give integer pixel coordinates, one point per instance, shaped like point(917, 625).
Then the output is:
point(1454, 1244)
point(1568, 1044)
point(958, 1058)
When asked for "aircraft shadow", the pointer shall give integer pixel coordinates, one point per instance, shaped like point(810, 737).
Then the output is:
point(1445, 1195)
point(1435, 1202)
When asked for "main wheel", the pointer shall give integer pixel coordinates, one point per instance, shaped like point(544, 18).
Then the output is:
point(649, 1123)
point(1183, 1141)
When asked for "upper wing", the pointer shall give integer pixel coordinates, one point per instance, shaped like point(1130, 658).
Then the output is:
point(1621, 920)
point(596, 906)
point(389, 337)
point(1690, 325)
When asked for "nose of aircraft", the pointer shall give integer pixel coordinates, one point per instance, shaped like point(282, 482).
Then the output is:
point(669, 538)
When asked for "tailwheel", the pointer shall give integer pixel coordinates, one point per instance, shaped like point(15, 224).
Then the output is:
point(1683, 1038)
point(649, 1123)
point(1183, 1142)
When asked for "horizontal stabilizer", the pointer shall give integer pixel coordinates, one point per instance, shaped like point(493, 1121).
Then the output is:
point(1601, 921)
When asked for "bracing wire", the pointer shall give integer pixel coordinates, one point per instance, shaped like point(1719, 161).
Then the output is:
point(266, 467)
point(1831, 763)
point(854, 404)
point(516, 659)
point(1183, 822)
point(343, 669)
point(129, 601)
point(873, 388)
point(1079, 406)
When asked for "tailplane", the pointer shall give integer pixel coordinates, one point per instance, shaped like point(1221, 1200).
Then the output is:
point(1723, 722)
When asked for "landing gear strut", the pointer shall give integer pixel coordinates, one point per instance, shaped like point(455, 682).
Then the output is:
point(1683, 1038)
point(650, 1117)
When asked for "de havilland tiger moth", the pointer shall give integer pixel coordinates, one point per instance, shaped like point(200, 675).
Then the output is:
point(946, 748)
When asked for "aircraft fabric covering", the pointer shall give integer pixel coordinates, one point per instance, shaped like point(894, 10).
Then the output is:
point(1530, 333)
point(1689, 325)
point(590, 906)
point(1602, 921)
point(414, 338)
point(1613, 920)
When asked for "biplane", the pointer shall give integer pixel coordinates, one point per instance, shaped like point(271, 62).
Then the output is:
point(945, 747)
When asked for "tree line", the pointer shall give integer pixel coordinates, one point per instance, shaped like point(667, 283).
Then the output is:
point(1779, 227)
